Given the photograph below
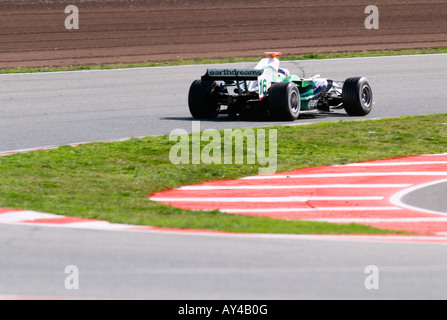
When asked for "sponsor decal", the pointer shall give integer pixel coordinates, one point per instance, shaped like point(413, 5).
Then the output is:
point(235, 72)
point(313, 103)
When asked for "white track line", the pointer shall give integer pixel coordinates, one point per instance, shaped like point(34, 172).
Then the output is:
point(232, 64)
point(384, 164)
point(95, 225)
point(254, 210)
point(46, 148)
point(397, 198)
point(379, 220)
point(266, 199)
point(18, 216)
point(343, 175)
point(33, 217)
point(265, 187)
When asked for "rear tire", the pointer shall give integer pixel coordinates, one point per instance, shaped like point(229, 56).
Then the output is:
point(202, 101)
point(357, 96)
point(284, 101)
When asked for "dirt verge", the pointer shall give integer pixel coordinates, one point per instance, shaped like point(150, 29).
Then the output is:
point(32, 33)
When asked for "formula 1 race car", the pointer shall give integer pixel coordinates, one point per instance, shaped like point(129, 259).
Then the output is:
point(275, 91)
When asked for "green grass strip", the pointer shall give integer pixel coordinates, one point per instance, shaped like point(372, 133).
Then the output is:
point(201, 61)
point(111, 181)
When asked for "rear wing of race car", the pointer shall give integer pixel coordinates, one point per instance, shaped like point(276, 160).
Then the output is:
point(233, 74)
point(256, 80)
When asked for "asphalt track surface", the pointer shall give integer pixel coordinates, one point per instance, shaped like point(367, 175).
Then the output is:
point(431, 198)
point(49, 109)
point(70, 107)
point(121, 265)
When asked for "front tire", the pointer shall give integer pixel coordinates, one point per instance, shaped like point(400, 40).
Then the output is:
point(357, 96)
point(284, 101)
point(202, 101)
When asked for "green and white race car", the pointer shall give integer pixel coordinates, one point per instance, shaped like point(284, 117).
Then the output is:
point(273, 90)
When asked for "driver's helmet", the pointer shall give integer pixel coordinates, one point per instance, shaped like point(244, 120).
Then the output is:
point(284, 72)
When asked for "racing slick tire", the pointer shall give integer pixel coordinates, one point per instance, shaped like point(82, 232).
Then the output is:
point(284, 101)
point(202, 101)
point(357, 96)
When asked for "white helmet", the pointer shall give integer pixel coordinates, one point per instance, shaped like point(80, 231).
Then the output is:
point(284, 72)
